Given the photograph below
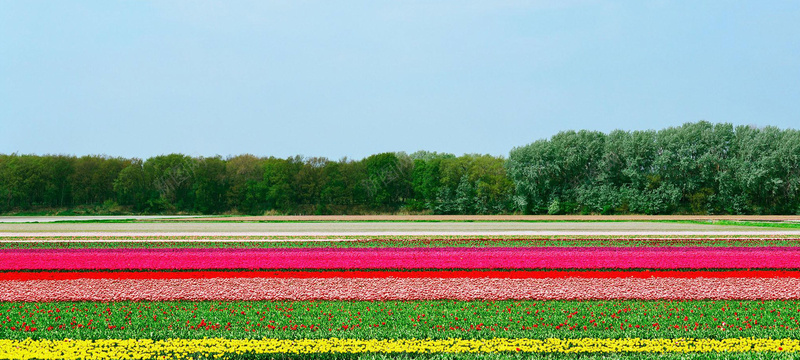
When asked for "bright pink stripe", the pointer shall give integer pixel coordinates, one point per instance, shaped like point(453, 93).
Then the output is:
point(400, 289)
point(408, 258)
point(524, 274)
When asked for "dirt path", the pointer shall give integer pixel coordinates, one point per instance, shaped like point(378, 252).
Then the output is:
point(47, 219)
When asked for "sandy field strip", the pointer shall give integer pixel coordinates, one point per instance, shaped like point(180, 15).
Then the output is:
point(45, 219)
point(394, 228)
point(345, 218)
point(502, 218)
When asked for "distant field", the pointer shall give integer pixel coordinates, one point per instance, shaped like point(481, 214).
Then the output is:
point(406, 218)
point(397, 228)
point(109, 218)
point(502, 218)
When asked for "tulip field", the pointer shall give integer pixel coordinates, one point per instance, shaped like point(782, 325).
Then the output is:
point(408, 297)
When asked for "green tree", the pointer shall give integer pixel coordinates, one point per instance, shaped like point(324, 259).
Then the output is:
point(210, 185)
point(132, 187)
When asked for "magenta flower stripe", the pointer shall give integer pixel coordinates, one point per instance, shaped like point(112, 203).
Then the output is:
point(407, 258)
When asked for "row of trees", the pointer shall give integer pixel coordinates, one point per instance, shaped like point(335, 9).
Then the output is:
point(388, 182)
point(699, 168)
point(696, 168)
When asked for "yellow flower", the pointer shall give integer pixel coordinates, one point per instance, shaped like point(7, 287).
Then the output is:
point(175, 348)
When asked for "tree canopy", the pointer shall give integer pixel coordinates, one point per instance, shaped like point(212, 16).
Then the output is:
point(697, 168)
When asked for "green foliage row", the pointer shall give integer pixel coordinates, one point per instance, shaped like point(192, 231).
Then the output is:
point(699, 168)
point(439, 319)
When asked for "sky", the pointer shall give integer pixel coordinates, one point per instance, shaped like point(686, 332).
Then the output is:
point(354, 78)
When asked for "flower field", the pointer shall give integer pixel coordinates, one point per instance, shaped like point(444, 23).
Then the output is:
point(404, 258)
point(97, 298)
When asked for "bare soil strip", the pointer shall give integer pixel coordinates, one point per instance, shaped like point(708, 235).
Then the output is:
point(42, 219)
point(500, 218)
point(387, 228)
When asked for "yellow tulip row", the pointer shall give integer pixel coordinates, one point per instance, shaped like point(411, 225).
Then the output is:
point(176, 348)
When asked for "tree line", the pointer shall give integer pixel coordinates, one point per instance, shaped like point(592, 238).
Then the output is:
point(246, 184)
point(698, 168)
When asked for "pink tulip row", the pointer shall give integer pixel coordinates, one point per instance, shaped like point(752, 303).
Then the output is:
point(404, 258)
point(400, 289)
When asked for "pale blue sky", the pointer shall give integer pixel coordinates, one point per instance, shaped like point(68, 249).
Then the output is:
point(354, 78)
